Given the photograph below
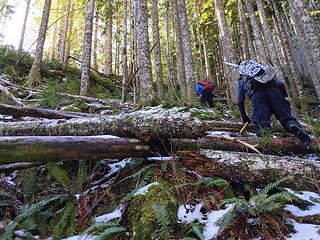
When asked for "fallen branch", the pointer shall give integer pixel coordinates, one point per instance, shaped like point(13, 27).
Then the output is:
point(13, 98)
point(41, 113)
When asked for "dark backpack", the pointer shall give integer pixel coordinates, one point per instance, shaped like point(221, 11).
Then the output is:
point(207, 84)
point(257, 76)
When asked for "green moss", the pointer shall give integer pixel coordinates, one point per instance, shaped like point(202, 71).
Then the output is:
point(141, 216)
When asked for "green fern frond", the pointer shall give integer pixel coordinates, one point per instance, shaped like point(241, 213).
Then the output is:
point(228, 218)
point(8, 231)
point(164, 166)
point(29, 224)
point(72, 229)
point(197, 230)
point(36, 207)
point(63, 216)
point(98, 226)
point(139, 172)
point(146, 178)
point(161, 213)
point(270, 186)
point(109, 232)
point(4, 195)
point(275, 201)
point(59, 174)
point(30, 183)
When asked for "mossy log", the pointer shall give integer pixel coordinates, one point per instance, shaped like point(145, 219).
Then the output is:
point(64, 148)
point(40, 113)
point(254, 168)
point(159, 124)
point(13, 98)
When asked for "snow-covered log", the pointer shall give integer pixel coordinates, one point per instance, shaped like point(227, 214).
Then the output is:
point(254, 168)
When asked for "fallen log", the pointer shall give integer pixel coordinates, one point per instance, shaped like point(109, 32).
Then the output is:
point(254, 168)
point(41, 113)
point(64, 148)
point(159, 123)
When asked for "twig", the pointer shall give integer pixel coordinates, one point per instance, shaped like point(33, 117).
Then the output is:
point(247, 145)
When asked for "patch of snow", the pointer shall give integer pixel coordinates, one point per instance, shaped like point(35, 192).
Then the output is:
point(190, 213)
point(79, 237)
point(144, 190)
point(304, 231)
point(159, 158)
point(220, 133)
point(306, 196)
point(107, 217)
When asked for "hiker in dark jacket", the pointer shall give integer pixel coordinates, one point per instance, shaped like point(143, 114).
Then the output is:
point(265, 102)
point(205, 91)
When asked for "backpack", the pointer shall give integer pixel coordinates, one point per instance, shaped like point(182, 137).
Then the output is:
point(258, 76)
point(207, 84)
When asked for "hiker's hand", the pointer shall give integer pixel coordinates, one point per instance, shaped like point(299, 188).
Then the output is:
point(246, 119)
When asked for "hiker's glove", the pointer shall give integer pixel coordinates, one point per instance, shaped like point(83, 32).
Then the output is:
point(246, 119)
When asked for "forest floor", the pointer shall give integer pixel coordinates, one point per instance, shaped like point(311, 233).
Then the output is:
point(141, 198)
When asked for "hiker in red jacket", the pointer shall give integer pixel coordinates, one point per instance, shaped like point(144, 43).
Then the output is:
point(205, 89)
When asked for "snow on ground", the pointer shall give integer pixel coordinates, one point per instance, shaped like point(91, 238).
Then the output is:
point(212, 220)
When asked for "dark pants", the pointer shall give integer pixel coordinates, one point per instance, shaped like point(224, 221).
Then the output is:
point(267, 102)
point(207, 96)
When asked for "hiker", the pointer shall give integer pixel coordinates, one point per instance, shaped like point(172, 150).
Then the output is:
point(267, 98)
point(205, 91)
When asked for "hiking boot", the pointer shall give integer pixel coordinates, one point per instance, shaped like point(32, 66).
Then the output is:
point(302, 135)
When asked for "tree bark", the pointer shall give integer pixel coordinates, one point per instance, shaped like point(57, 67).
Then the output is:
point(261, 53)
point(187, 52)
point(86, 56)
point(229, 53)
point(124, 54)
point(158, 73)
point(254, 168)
point(55, 32)
point(169, 58)
point(34, 77)
point(145, 69)
point(181, 72)
point(41, 113)
point(24, 26)
point(62, 48)
point(95, 41)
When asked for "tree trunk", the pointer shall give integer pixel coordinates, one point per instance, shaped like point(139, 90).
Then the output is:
point(312, 34)
point(62, 49)
point(95, 41)
point(69, 38)
point(181, 72)
point(186, 47)
point(261, 54)
point(86, 55)
point(108, 43)
point(145, 70)
point(124, 53)
point(270, 43)
point(157, 49)
point(206, 57)
point(55, 32)
point(24, 26)
point(34, 77)
point(254, 168)
point(244, 39)
point(229, 53)
point(169, 57)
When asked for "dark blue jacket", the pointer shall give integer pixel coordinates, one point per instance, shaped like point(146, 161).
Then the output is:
point(265, 102)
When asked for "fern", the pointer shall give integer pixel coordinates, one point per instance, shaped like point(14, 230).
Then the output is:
point(8, 233)
point(62, 219)
point(109, 232)
point(196, 229)
point(270, 186)
point(139, 172)
point(30, 183)
point(59, 174)
point(29, 211)
point(104, 229)
point(165, 232)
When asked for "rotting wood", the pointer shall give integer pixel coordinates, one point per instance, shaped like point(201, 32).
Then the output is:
point(253, 168)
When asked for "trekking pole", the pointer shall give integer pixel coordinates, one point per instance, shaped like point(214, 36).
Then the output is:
point(244, 126)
